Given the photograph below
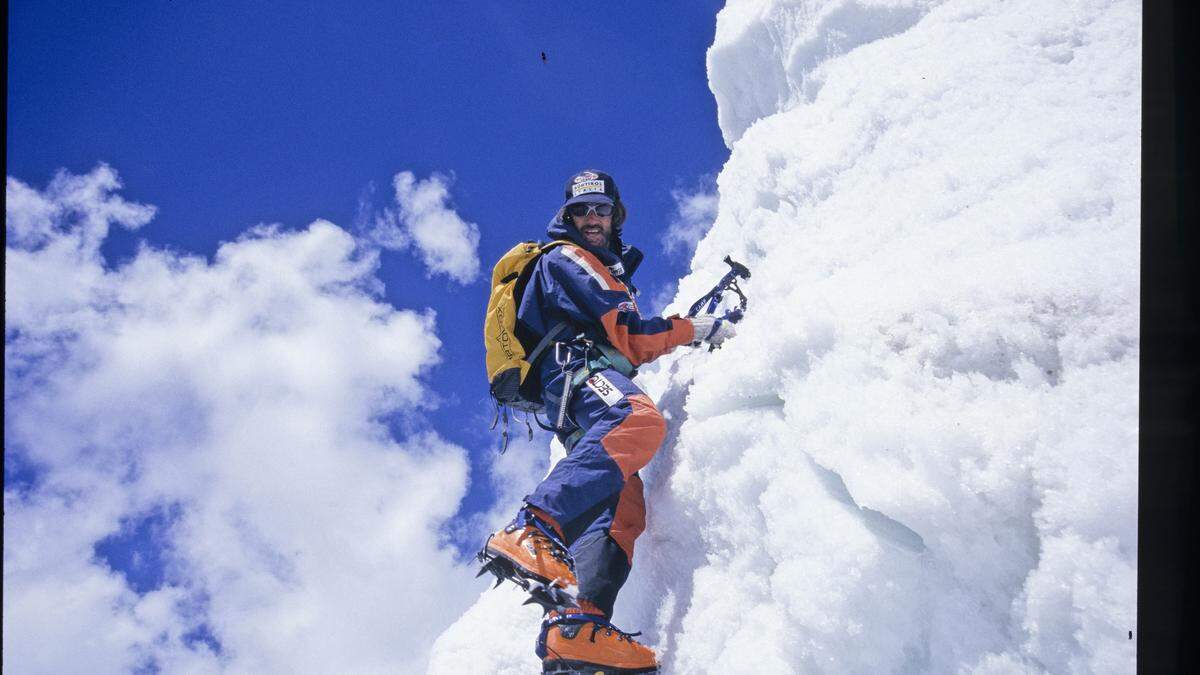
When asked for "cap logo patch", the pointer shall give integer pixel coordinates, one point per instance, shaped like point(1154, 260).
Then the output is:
point(586, 175)
point(586, 187)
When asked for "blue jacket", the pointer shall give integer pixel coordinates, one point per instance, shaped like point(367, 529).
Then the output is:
point(590, 287)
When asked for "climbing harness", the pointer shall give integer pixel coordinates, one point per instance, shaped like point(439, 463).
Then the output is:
point(596, 356)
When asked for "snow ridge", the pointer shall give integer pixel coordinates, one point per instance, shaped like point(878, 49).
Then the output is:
point(920, 452)
point(765, 52)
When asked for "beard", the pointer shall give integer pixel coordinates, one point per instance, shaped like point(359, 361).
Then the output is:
point(599, 240)
point(594, 237)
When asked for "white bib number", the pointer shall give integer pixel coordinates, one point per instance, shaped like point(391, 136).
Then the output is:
point(604, 389)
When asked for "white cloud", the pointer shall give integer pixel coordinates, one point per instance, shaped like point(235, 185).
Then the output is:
point(448, 244)
point(423, 219)
point(382, 227)
point(251, 396)
point(82, 203)
point(513, 475)
point(695, 211)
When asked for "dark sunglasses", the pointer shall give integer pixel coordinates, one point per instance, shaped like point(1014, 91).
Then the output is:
point(582, 209)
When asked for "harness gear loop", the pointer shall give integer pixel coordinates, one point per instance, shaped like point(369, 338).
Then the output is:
point(504, 432)
point(597, 356)
point(572, 439)
point(562, 356)
point(528, 428)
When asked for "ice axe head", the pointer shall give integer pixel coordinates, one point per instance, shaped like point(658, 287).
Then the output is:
point(739, 269)
point(708, 303)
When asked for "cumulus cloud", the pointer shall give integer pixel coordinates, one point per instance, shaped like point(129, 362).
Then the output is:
point(244, 406)
point(695, 211)
point(512, 475)
point(380, 227)
point(423, 218)
point(72, 208)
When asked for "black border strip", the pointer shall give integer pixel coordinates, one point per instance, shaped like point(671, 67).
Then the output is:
point(1169, 341)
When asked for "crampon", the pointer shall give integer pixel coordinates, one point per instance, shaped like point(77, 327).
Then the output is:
point(529, 554)
point(542, 591)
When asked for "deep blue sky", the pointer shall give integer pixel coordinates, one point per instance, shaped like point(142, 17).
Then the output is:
point(225, 115)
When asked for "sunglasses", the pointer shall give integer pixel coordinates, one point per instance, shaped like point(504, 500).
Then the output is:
point(582, 209)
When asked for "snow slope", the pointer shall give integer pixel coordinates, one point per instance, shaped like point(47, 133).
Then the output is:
point(920, 452)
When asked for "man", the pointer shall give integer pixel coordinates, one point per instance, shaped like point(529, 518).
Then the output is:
point(576, 531)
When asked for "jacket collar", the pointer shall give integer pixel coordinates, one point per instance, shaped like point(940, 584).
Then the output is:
point(620, 258)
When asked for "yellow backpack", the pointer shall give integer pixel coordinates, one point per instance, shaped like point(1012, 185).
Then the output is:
point(510, 356)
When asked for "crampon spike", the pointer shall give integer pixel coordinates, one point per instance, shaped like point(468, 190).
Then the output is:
point(504, 571)
point(487, 567)
point(551, 598)
point(531, 601)
point(547, 596)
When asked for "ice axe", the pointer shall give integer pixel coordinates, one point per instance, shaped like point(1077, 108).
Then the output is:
point(709, 302)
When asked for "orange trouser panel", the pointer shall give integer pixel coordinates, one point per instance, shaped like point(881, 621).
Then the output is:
point(633, 442)
point(630, 519)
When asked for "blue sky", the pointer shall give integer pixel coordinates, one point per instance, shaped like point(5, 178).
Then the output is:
point(228, 116)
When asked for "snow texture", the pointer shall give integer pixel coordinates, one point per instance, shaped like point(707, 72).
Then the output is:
point(920, 452)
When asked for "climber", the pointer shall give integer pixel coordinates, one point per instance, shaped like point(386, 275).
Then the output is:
point(576, 531)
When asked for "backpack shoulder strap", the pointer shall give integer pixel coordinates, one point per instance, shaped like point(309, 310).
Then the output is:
point(554, 243)
point(557, 328)
point(545, 341)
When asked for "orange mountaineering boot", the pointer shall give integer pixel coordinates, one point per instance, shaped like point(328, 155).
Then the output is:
point(574, 642)
point(530, 553)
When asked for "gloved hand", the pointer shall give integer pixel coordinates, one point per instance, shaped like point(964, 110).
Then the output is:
point(712, 330)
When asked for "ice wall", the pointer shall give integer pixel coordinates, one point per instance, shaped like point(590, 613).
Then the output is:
point(920, 452)
point(765, 52)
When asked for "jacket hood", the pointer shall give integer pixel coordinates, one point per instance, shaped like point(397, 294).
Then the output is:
point(621, 258)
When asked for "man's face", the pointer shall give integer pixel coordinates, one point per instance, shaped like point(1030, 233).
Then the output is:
point(595, 228)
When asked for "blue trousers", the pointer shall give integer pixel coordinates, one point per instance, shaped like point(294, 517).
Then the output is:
point(594, 494)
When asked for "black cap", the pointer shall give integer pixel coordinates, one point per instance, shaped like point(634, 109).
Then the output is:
point(596, 186)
